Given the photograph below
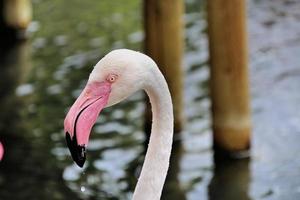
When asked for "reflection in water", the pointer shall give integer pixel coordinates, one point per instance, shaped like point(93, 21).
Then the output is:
point(23, 171)
point(172, 188)
point(230, 180)
point(13, 64)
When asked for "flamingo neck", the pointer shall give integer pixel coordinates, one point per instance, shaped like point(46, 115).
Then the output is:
point(156, 164)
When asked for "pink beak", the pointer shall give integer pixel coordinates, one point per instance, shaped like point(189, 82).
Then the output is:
point(82, 116)
point(1, 151)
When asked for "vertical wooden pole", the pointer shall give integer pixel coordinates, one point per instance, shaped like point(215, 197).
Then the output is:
point(163, 23)
point(17, 13)
point(15, 16)
point(229, 75)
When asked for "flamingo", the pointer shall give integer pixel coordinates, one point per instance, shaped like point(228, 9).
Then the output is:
point(1, 151)
point(116, 76)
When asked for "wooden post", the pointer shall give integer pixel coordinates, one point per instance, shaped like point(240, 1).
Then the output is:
point(17, 13)
point(229, 76)
point(15, 16)
point(163, 21)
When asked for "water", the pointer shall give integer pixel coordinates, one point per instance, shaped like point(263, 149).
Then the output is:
point(41, 78)
point(82, 189)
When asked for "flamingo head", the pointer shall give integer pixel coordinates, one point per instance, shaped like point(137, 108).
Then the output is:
point(114, 78)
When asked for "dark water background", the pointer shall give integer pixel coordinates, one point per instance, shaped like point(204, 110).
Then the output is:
point(41, 78)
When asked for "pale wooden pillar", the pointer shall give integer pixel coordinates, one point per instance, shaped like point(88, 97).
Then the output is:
point(163, 23)
point(17, 13)
point(15, 16)
point(229, 74)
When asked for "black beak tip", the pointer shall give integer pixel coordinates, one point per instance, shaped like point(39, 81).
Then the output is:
point(78, 152)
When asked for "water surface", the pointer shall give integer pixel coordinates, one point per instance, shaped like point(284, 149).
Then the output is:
point(41, 78)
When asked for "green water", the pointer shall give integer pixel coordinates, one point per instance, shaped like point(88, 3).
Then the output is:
point(41, 78)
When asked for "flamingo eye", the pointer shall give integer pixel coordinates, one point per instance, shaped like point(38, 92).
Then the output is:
point(112, 78)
